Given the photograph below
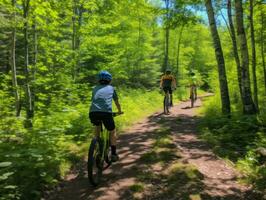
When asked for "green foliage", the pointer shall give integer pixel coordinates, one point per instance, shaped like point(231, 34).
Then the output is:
point(76, 39)
point(32, 160)
point(137, 187)
point(237, 138)
point(137, 104)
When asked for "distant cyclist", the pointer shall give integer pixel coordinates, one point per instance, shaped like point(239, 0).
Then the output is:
point(101, 108)
point(168, 83)
point(193, 87)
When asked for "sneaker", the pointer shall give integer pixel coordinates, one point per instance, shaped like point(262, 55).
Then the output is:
point(114, 158)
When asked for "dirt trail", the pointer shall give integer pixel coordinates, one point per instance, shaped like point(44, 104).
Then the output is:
point(141, 174)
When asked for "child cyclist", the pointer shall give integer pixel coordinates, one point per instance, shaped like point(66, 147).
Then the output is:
point(101, 108)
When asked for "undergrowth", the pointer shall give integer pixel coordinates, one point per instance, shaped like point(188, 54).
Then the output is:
point(238, 139)
point(37, 158)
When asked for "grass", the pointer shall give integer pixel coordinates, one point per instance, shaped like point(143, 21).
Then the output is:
point(41, 156)
point(138, 187)
point(236, 139)
point(189, 171)
point(163, 176)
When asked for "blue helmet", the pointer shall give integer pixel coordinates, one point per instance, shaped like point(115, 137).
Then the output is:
point(104, 76)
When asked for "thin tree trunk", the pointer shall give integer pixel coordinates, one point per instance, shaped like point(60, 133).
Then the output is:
point(178, 52)
point(74, 29)
point(35, 57)
point(248, 104)
point(167, 35)
point(220, 59)
point(29, 106)
point(35, 52)
point(80, 14)
point(13, 63)
point(234, 42)
point(253, 47)
point(74, 33)
point(262, 48)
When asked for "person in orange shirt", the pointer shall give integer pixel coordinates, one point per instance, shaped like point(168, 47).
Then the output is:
point(168, 83)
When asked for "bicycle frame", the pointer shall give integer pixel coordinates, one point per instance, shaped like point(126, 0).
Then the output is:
point(99, 148)
point(105, 137)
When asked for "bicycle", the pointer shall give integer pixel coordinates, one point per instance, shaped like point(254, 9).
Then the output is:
point(99, 155)
point(193, 95)
point(166, 102)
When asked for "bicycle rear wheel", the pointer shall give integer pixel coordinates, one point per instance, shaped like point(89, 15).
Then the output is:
point(166, 104)
point(95, 162)
point(193, 98)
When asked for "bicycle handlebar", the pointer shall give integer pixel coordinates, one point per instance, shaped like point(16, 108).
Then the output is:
point(117, 113)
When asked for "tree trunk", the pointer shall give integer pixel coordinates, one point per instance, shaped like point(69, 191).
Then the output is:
point(13, 63)
point(220, 59)
point(74, 29)
point(262, 48)
point(167, 34)
point(29, 107)
point(78, 11)
point(35, 57)
point(253, 47)
point(178, 53)
point(248, 104)
point(80, 15)
point(74, 33)
point(234, 42)
point(35, 51)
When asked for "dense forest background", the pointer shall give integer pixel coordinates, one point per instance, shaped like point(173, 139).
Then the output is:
point(51, 51)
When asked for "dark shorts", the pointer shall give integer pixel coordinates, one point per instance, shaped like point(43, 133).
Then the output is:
point(167, 89)
point(104, 117)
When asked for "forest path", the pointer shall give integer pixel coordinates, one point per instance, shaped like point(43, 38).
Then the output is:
point(161, 157)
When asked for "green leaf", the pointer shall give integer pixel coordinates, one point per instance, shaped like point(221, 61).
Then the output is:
point(10, 187)
point(5, 164)
point(6, 175)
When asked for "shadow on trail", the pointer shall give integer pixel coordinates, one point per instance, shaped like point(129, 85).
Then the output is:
point(189, 107)
point(145, 155)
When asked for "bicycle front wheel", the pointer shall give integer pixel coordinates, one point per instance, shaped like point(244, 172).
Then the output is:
point(107, 157)
point(95, 162)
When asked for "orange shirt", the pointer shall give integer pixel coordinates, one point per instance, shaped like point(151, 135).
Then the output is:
point(167, 80)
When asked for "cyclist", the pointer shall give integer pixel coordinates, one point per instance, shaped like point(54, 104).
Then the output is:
point(101, 109)
point(167, 83)
point(193, 86)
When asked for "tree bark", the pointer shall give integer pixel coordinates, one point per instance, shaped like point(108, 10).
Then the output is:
point(29, 105)
point(35, 57)
point(220, 59)
point(234, 42)
point(35, 51)
point(262, 48)
point(13, 63)
point(80, 15)
point(253, 47)
point(74, 33)
point(78, 10)
point(248, 104)
point(167, 35)
point(178, 53)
